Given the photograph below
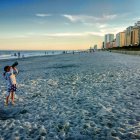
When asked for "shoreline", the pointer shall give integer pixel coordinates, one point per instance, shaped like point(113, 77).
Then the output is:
point(23, 58)
point(25, 54)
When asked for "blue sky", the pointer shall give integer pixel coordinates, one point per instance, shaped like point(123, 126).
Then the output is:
point(63, 24)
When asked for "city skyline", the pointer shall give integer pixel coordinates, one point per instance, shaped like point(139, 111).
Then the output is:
point(63, 24)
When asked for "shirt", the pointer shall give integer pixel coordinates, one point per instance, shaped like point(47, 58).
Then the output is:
point(11, 77)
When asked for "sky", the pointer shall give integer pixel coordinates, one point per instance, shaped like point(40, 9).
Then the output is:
point(63, 24)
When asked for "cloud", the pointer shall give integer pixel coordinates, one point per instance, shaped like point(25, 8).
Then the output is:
point(113, 30)
point(34, 35)
point(86, 18)
point(135, 19)
point(103, 25)
point(14, 37)
point(95, 33)
point(76, 18)
point(108, 17)
point(64, 34)
point(71, 34)
point(43, 15)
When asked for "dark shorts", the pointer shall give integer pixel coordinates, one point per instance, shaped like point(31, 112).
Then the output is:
point(13, 88)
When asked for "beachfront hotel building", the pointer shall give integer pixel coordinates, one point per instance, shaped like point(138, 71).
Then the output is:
point(95, 47)
point(128, 36)
point(113, 43)
point(108, 38)
point(136, 34)
point(120, 39)
point(137, 23)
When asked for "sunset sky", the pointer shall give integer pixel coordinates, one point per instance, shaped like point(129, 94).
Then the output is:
point(62, 24)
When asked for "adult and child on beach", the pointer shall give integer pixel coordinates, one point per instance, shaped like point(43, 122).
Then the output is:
point(9, 74)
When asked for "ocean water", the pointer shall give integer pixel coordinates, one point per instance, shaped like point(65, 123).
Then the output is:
point(4, 54)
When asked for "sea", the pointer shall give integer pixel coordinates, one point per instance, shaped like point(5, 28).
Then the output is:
point(13, 54)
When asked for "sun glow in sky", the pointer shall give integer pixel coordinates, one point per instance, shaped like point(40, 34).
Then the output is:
point(62, 24)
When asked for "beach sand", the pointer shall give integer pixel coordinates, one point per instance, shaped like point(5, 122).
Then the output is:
point(88, 96)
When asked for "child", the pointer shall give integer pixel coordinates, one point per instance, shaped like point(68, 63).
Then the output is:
point(10, 76)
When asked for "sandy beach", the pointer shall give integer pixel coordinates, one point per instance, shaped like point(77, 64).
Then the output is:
point(87, 96)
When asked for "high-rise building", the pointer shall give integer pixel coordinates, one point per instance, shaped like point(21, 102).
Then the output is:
point(136, 34)
point(114, 43)
point(95, 47)
point(120, 39)
point(128, 36)
point(103, 45)
point(137, 23)
point(108, 38)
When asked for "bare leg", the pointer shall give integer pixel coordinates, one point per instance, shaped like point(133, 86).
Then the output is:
point(12, 98)
point(7, 99)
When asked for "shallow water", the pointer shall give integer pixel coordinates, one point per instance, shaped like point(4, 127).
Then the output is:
point(81, 96)
point(14, 54)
